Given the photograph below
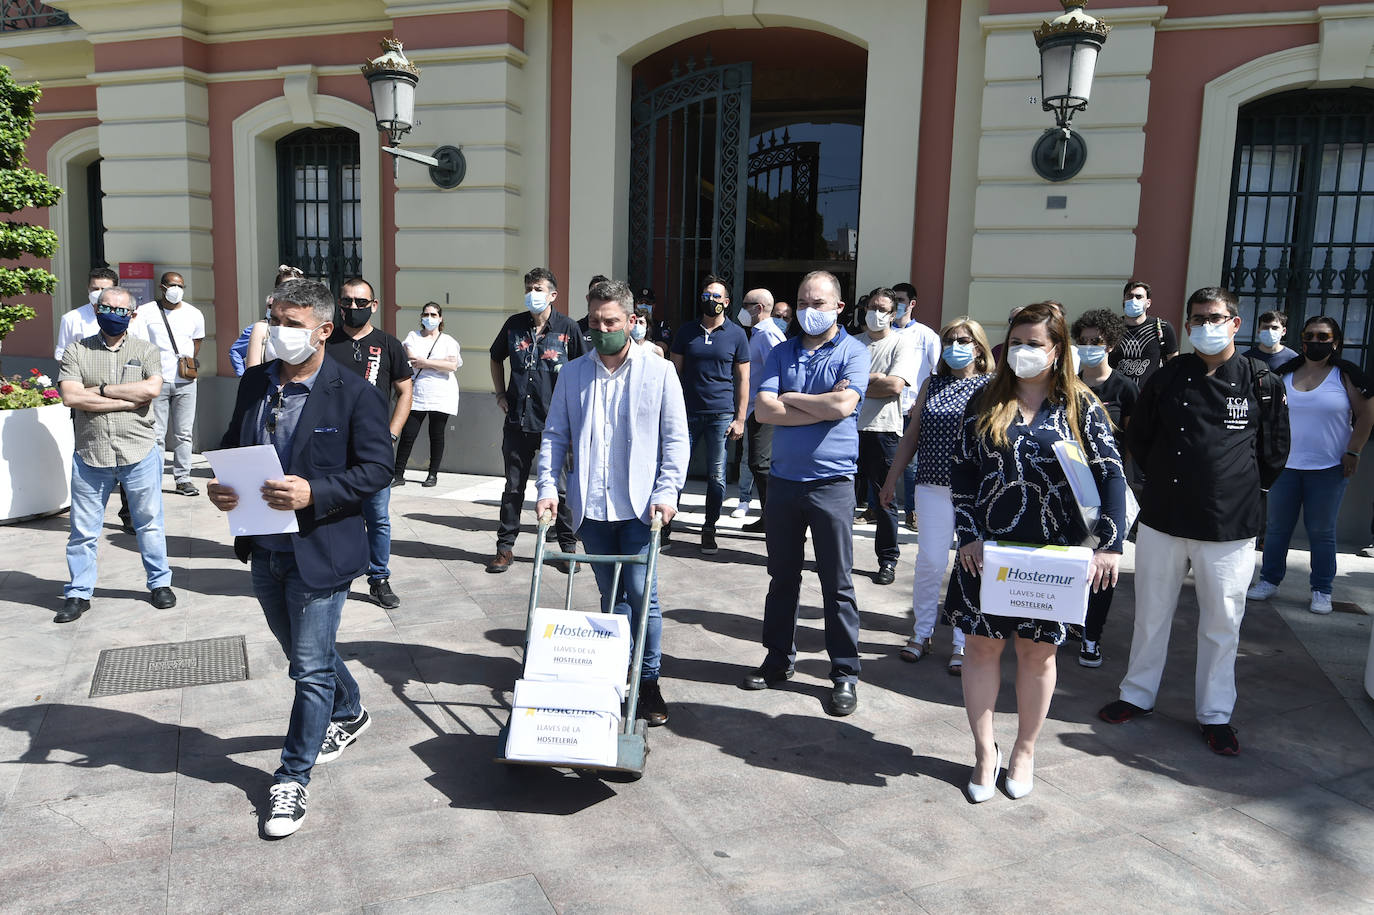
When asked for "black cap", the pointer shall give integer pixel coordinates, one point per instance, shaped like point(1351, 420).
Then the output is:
point(646, 295)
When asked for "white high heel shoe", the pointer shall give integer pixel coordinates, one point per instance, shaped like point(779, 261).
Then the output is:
point(980, 793)
point(1017, 790)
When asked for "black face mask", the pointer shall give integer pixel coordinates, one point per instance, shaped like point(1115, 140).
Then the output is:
point(710, 307)
point(1318, 352)
point(356, 317)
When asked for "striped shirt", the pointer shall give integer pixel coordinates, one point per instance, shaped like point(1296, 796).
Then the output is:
point(111, 439)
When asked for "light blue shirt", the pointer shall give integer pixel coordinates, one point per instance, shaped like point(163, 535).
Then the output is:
point(826, 448)
point(767, 334)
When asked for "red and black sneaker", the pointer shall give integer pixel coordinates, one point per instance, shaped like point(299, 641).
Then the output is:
point(1121, 711)
point(1221, 738)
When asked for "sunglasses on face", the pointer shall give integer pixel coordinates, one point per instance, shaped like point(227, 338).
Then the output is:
point(346, 302)
point(1094, 341)
point(712, 297)
point(103, 309)
point(962, 341)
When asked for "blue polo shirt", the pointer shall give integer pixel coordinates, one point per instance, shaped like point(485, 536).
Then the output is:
point(708, 365)
point(820, 450)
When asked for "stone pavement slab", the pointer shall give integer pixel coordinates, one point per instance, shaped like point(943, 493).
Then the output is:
point(750, 802)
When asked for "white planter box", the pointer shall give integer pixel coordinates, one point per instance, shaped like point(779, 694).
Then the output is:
point(36, 447)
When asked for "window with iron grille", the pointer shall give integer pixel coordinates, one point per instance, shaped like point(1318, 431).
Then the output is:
point(1301, 229)
point(95, 215)
point(28, 14)
point(320, 204)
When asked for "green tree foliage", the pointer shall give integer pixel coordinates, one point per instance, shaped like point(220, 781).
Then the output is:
point(21, 187)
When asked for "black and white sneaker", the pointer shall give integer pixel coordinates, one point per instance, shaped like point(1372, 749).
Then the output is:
point(340, 734)
point(288, 809)
point(1090, 654)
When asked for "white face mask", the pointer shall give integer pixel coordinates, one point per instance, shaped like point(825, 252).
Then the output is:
point(878, 321)
point(1028, 361)
point(1210, 339)
point(745, 318)
point(637, 332)
point(429, 323)
point(1270, 336)
point(536, 300)
point(173, 295)
point(293, 345)
point(94, 296)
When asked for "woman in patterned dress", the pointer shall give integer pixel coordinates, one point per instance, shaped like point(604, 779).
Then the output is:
point(1008, 485)
point(936, 424)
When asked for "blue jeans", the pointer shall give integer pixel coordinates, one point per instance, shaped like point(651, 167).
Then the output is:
point(627, 538)
point(709, 429)
point(1317, 493)
point(306, 623)
point(827, 507)
point(91, 487)
point(377, 517)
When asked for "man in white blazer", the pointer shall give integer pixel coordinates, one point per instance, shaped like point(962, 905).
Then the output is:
point(620, 413)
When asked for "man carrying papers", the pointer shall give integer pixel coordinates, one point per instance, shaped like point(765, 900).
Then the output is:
point(329, 429)
point(620, 413)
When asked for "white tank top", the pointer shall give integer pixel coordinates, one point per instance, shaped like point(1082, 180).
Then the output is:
point(1320, 422)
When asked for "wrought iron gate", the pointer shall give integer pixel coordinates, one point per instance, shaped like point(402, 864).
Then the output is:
point(1301, 231)
point(690, 144)
point(320, 204)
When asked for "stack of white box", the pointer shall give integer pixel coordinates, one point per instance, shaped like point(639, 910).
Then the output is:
point(567, 706)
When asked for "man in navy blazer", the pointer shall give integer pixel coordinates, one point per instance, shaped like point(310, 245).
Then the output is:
point(329, 428)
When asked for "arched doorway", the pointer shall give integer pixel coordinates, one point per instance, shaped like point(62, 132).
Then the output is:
point(1300, 237)
point(745, 162)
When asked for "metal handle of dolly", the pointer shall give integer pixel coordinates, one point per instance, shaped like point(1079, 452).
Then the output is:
point(650, 561)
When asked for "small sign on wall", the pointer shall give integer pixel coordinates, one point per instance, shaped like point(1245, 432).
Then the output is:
point(137, 277)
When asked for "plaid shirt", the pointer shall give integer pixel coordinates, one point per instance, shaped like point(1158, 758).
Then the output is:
point(111, 439)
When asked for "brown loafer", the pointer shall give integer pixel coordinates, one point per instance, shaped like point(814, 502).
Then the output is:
point(501, 562)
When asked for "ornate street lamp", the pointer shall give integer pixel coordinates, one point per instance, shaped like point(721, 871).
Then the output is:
point(1069, 45)
point(393, 78)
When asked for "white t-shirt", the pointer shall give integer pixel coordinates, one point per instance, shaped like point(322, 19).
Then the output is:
point(927, 344)
point(77, 324)
point(434, 390)
point(895, 354)
point(187, 325)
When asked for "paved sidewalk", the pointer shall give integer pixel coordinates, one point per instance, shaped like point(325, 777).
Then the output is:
point(751, 802)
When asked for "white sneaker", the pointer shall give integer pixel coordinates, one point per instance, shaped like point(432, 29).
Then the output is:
point(1321, 603)
point(288, 809)
point(1262, 590)
point(740, 510)
point(1367, 551)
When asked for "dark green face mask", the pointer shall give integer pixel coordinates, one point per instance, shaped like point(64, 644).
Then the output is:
point(608, 343)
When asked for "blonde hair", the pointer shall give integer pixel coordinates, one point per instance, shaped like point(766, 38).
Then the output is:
point(997, 404)
point(982, 361)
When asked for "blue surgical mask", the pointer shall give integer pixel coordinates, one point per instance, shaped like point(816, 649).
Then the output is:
point(1210, 339)
point(1092, 355)
point(958, 355)
point(1270, 336)
point(1134, 307)
point(429, 323)
point(536, 300)
point(637, 332)
point(815, 321)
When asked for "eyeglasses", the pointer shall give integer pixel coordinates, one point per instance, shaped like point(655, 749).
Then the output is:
point(103, 309)
point(274, 416)
point(1213, 319)
point(749, 304)
point(346, 302)
point(357, 352)
point(962, 341)
point(1318, 337)
point(1095, 341)
point(712, 297)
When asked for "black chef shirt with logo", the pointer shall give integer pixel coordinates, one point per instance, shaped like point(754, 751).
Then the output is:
point(1208, 445)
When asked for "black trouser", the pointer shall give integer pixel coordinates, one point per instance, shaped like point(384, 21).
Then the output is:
point(827, 508)
point(1099, 603)
point(520, 453)
point(760, 455)
point(438, 422)
point(876, 453)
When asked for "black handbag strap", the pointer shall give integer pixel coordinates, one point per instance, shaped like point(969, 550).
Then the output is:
point(170, 336)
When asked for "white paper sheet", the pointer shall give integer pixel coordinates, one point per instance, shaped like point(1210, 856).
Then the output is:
point(244, 470)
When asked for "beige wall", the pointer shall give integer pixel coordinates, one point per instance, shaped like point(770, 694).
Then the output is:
point(1021, 251)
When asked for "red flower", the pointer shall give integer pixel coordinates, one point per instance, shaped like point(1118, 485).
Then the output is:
point(51, 394)
point(33, 371)
point(6, 389)
point(523, 345)
point(551, 355)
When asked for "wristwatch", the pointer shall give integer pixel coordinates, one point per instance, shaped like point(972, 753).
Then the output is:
point(394, 438)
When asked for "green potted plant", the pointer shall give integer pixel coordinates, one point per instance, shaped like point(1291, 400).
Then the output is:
point(36, 441)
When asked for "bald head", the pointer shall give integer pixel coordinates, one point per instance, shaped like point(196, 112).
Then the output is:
point(760, 299)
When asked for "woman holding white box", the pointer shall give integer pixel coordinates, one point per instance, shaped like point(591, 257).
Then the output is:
point(1007, 484)
point(935, 428)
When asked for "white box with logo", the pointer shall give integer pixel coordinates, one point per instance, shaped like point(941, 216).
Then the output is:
point(1037, 582)
point(573, 646)
point(576, 723)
